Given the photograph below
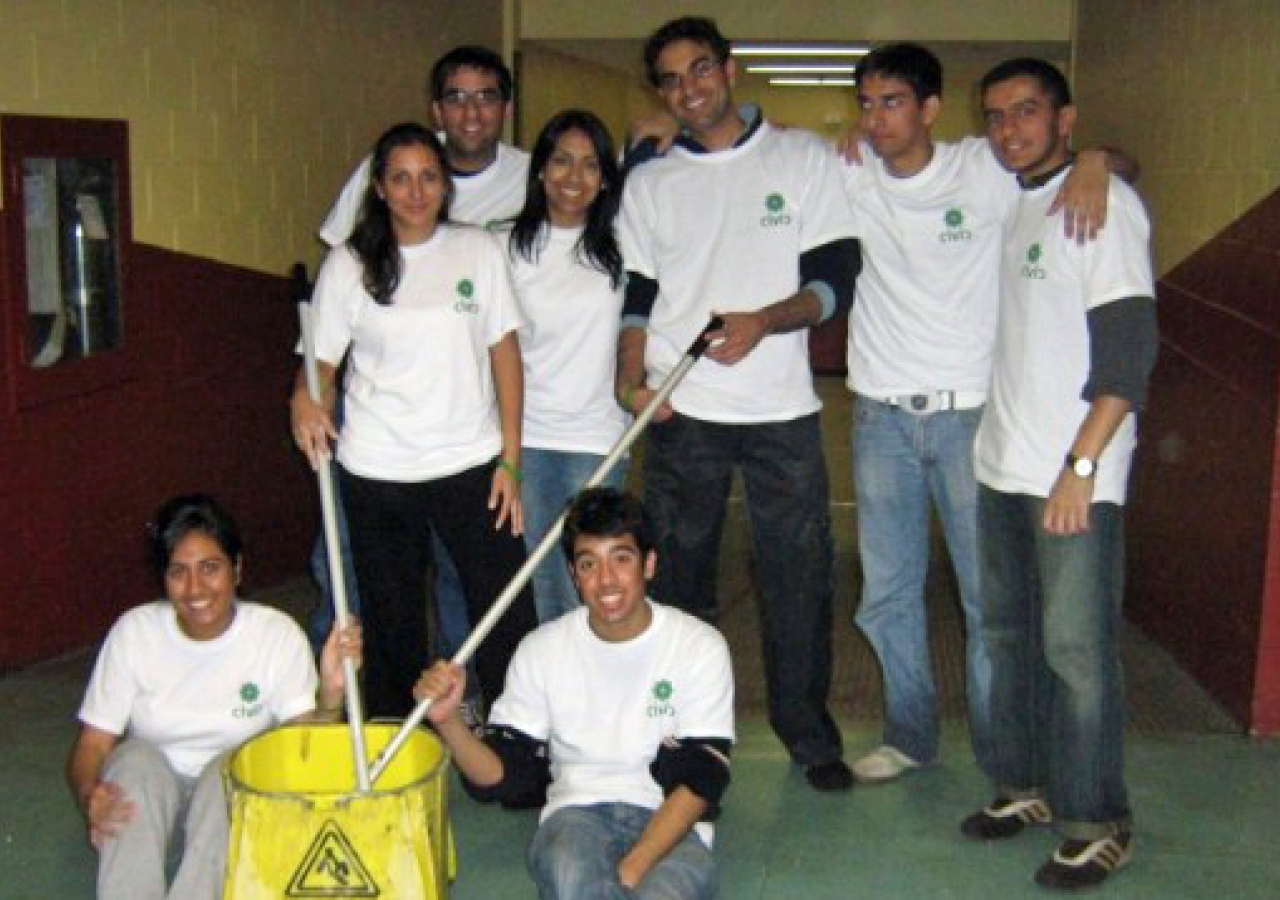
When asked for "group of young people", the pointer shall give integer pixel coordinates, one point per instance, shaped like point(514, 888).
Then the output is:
point(1001, 336)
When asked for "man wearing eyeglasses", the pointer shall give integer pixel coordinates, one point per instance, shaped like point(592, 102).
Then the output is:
point(750, 223)
point(471, 90)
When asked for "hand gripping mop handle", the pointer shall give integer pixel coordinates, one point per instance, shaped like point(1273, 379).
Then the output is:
point(548, 543)
point(337, 578)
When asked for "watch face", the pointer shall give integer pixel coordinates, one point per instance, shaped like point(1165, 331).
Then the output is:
point(1084, 467)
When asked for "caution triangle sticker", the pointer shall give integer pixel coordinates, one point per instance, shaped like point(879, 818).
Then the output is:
point(331, 868)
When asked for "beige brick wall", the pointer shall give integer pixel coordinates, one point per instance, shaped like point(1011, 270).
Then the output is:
point(244, 116)
point(1192, 88)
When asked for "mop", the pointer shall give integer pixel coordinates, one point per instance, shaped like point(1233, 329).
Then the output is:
point(513, 588)
point(337, 579)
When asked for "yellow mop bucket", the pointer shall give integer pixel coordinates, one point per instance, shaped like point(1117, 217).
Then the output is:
point(301, 829)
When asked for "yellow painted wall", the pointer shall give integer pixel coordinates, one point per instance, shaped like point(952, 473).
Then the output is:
point(1192, 88)
point(551, 82)
point(878, 20)
point(245, 116)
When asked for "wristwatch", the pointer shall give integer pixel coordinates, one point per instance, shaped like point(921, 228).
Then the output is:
point(1083, 467)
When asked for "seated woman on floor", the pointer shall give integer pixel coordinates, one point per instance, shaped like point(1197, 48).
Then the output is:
point(179, 683)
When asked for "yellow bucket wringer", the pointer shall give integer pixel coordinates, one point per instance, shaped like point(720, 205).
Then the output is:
point(301, 829)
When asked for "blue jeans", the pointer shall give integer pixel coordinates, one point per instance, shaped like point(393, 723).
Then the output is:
point(688, 467)
point(575, 855)
point(901, 462)
point(1057, 694)
point(551, 478)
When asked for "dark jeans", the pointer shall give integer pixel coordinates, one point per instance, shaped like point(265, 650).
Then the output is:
point(688, 468)
point(1052, 618)
point(391, 526)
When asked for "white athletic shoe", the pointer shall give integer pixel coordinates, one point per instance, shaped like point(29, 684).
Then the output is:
point(885, 763)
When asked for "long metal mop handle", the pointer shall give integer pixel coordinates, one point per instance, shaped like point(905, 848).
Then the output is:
point(337, 578)
point(548, 543)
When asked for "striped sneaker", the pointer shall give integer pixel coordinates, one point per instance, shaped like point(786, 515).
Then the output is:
point(1084, 864)
point(1003, 818)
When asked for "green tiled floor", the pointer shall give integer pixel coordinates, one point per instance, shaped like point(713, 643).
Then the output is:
point(1207, 800)
point(1206, 804)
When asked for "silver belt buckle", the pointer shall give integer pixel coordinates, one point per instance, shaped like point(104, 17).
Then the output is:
point(927, 404)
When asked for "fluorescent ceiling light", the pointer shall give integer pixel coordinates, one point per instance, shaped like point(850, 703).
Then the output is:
point(803, 69)
point(799, 50)
point(812, 82)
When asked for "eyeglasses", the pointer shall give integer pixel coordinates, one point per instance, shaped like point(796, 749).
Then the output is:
point(702, 68)
point(485, 98)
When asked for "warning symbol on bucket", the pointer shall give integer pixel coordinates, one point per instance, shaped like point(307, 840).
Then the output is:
point(331, 868)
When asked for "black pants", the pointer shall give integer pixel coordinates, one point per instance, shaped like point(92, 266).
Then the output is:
point(391, 541)
point(688, 467)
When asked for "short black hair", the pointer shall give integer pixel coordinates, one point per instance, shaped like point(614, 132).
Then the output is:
point(606, 512)
point(910, 63)
point(1049, 77)
point(698, 29)
point(178, 517)
point(469, 57)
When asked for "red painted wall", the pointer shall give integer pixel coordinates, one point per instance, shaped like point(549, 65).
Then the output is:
point(1204, 523)
point(204, 409)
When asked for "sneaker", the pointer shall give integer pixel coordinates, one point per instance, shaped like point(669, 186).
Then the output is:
point(1083, 864)
point(829, 776)
point(1003, 818)
point(883, 764)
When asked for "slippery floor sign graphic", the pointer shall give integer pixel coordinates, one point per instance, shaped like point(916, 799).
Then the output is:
point(331, 868)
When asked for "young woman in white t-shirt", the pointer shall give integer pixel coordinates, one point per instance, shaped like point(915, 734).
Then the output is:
point(569, 277)
point(178, 683)
point(425, 312)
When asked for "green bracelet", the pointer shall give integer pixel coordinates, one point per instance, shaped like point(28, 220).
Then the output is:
point(511, 470)
point(628, 400)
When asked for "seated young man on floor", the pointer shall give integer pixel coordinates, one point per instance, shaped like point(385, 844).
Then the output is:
point(619, 716)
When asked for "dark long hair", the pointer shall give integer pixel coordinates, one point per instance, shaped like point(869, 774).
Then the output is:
point(374, 240)
point(597, 247)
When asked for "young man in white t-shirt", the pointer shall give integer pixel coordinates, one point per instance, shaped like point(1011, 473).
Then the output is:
point(1075, 347)
point(618, 716)
point(921, 335)
point(747, 222)
point(471, 99)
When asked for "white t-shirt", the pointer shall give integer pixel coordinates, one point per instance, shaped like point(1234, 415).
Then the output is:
point(420, 400)
point(196, 699)
point(569, 344)
point(1049, 284)
point(488, 196)
point(928, 294)
point(724, 232)
point(604, 708)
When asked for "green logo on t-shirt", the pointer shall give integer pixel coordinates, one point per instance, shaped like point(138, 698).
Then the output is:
point(1031, 268)
point(954, 231)
point(776, 214)
point(249, 706)
point(661, 703)
point(464, 303)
